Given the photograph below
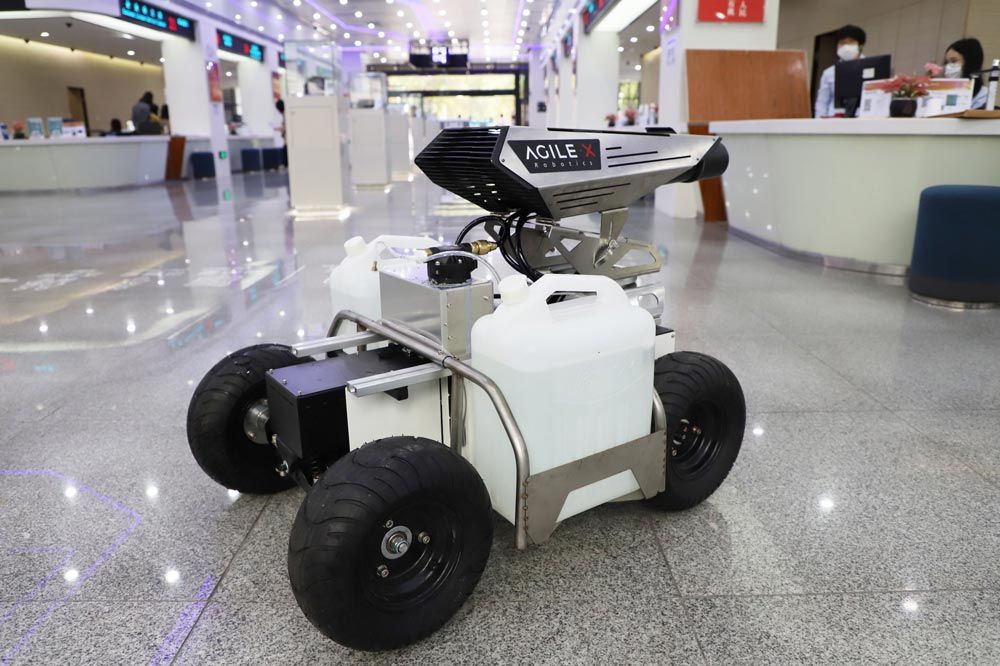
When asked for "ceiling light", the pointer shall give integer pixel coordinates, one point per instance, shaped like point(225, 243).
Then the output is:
point(650, 28)
point(621, 49)
point(399, 13)
point(454, 40)
point(161, 60)
point(526, 12)
point(381, 34)
point(375, 55)
point(298, 27)
point(383, 60)
point(485, 12)
point(416, 33)
point(316, 16)
point(520, 33)
point(333, 26)
point(208, 4)
point(347, 35)
point(281, 38)
point(260, 28)
point(451, 33)
point(447, 24)
point(278, 16)
point(357, 42)
point(315, 35)
point(633, 39)
point(389, 2)
point(358, 14)
point(442, 12)
point(524, 24)
point(409, 25)
point(638, 67)
point(238, 17)
point(125, 35)
point(371, 26)
point(253, 3)
point(486, 24)
point(343, 2)
point(130, 52)
point(44, 34)
point(229, 73)
point(297, 3)
point(519, 40)
point(423, 41)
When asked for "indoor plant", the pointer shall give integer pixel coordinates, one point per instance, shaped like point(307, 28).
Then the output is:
point(904, 90)
point(612, 118)
point(629, 116)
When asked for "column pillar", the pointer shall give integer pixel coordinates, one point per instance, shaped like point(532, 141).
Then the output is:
point(684, 200)
point(596, 76)
point(192, 111)
point(256, 91)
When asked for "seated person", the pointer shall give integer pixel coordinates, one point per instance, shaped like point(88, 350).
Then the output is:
point(116, 127)
point(964, 59)
point(850, 43)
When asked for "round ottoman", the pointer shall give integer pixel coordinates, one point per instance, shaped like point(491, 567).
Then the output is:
point(956, 249)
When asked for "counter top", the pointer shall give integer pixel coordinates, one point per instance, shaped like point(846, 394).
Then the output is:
point(77, 141)
point(856, 126)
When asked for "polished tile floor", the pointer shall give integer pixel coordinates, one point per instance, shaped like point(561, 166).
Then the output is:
point(861, 523)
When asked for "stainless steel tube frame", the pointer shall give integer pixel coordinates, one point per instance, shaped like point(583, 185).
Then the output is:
point(401, 334)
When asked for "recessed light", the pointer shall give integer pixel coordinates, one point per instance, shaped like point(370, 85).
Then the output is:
point(357, 42)
point(125, 35)
point(253, 3)
point(343, 2)
point(621, 49)
point(44, 34)
point(650, 28)
point(399, 13)
point(208, 4)
point(229, 73)
point(485, 12)
point(409, 25)
point(260, 28)
point(358, 14)
point(638, 67)
point(526, 12)
point(633, 39)
point(278, 16)
point(316, 16)
point(297, 3)
point(130, 52)
point(442, 12)
point(333, 26)
point(161, 60)
point(381, 34)
point(238, 17)
point(347, 35)
point(371, 26)
point(298, 27)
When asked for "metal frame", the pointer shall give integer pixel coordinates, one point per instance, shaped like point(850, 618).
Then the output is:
point(644, 457)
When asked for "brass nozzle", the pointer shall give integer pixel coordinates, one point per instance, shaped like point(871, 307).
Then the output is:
point(481, 247)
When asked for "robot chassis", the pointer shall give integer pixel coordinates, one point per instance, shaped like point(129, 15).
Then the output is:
point(394, 535)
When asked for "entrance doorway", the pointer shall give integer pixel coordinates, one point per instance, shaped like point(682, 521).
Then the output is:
point(78, 106)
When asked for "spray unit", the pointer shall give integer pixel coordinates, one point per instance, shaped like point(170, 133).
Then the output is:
point(443, 393)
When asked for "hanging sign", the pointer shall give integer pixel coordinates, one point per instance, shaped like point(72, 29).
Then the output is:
point(731, 11)
point(155, 17)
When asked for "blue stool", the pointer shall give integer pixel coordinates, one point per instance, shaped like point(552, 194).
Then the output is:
point(250, 159)
point(272, 158)
point(956, 249)
point(202, 165)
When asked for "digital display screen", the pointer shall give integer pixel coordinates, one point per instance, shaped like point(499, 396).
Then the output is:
point(239, 46)
point(591, 11)
point(445, 54)
point(439, 55)
point(156, 18)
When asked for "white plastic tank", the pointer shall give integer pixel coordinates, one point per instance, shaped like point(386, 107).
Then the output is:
point(578, 376)
point(354, 281)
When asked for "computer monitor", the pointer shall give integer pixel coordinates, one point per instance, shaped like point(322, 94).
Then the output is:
point(850, 75)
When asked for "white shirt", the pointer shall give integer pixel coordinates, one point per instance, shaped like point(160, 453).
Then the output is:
point(824, 96)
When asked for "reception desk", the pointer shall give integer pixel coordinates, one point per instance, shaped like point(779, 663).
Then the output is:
point(844, 192)
point(75, 163)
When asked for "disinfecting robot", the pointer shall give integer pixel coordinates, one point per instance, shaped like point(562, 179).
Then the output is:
point(441, 396)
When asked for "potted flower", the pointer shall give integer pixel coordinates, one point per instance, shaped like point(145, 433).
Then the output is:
point(904, 90)
point(612, 118)
point(630, 116)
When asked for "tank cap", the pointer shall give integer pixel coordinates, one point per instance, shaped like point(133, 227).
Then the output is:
point(355, 246)
point(513, 289)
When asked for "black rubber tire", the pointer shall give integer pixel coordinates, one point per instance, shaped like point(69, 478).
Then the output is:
point(334, 550)
point(706, 416)
point(215, 420)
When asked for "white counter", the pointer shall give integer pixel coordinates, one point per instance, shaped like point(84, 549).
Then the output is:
point(74, 163)
point(845, 191)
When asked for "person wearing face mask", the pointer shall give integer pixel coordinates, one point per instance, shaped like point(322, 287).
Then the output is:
point(850, 42)
point(964, 59)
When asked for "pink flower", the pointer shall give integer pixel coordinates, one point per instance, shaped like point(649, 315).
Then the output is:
point(933, 69)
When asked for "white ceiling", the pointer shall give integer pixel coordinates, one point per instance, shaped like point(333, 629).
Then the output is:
point(73, 33)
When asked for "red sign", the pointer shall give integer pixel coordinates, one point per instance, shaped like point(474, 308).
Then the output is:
point(731, 11)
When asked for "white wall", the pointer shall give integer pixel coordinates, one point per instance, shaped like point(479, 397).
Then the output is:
point(913, 32)
point(34, 78)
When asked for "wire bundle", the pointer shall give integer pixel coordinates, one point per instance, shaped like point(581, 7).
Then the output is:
point(508, 239)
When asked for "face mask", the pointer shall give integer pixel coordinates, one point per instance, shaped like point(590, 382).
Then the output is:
point(953, 70)
point(848, 52)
